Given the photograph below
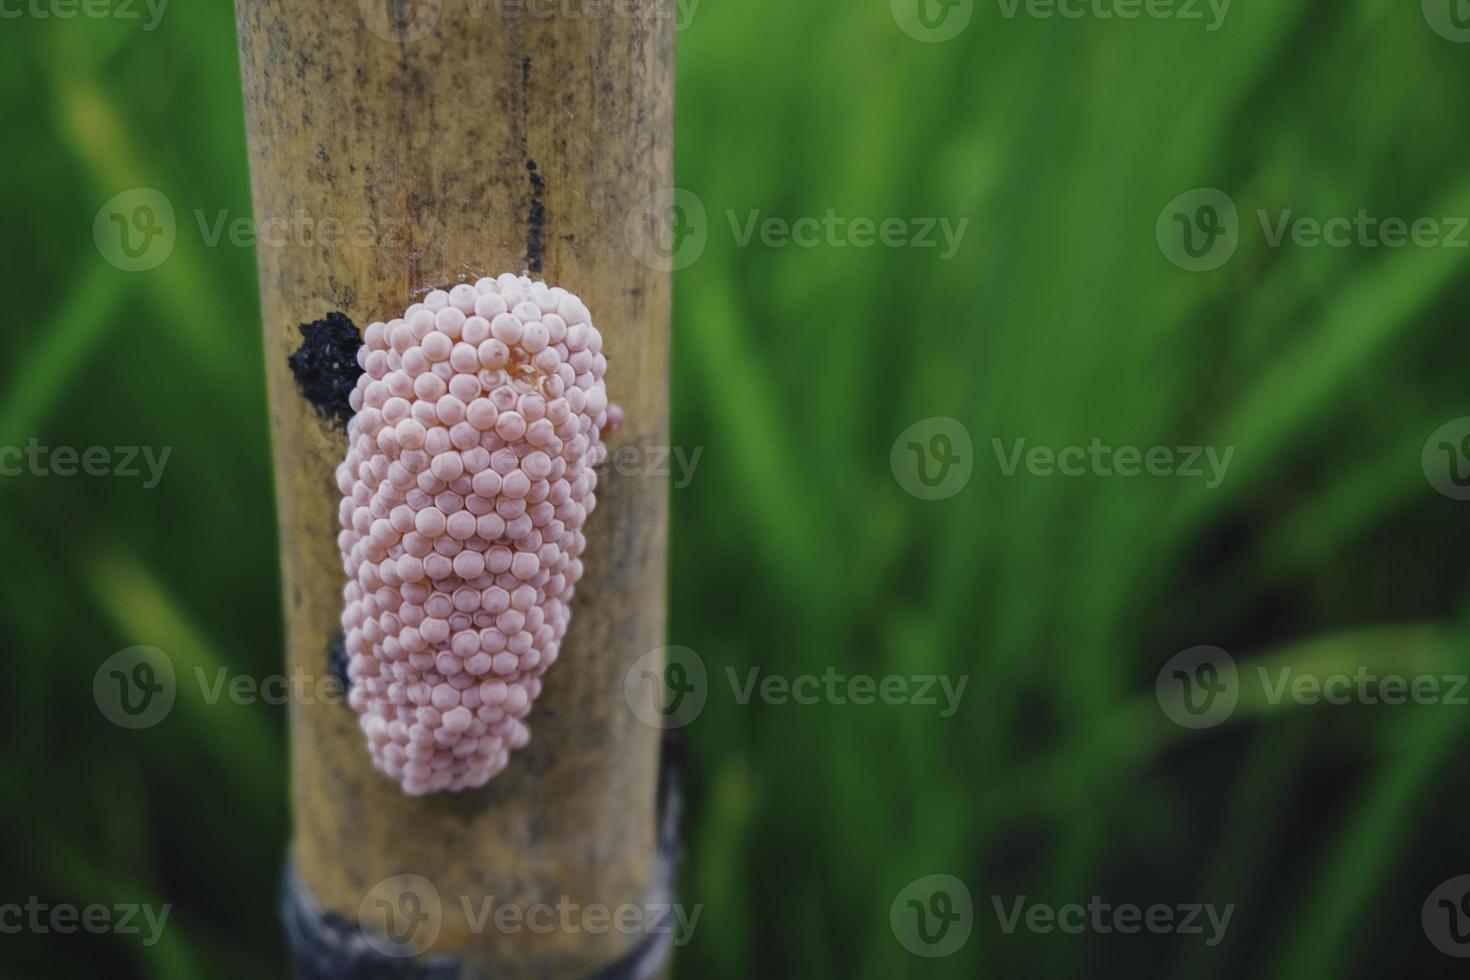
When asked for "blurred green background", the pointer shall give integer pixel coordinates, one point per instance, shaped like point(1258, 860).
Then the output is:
point(795, 547)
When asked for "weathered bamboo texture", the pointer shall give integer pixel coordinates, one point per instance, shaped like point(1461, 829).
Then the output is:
point(387, 164)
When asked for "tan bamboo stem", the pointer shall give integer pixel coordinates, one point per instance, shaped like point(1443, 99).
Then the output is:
point(391, 166)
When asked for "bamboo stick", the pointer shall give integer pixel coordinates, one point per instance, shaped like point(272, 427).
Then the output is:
point(392, 163)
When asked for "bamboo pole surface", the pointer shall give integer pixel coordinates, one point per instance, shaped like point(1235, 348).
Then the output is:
point(399, 147)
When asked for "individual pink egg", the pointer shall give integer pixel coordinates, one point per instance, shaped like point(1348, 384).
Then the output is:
point(463, 297)
point(535, 337)
point(436, 346)
point(489, 305)
point(490, 526)
point(420, 323)
point(511, 426)
point(447, 465)
point(464, 437)
point(429, 387)
point(449, 321)
point(506, 328)
point(482, 414)
point(449, 409)
point(493, 354)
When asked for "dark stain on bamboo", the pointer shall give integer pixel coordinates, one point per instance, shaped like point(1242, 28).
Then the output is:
point(325, 366)
point(536, 209)
point(536, 219)
point(337, 661)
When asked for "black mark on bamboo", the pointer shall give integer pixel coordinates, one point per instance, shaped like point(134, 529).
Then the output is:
point(325, 366)
point(536, 220)
point(536, 209)
point(337, 660)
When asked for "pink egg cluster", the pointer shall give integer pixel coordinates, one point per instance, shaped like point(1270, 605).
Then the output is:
point(469, 475)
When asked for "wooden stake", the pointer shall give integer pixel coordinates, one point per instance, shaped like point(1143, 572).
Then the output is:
point(397, 147)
